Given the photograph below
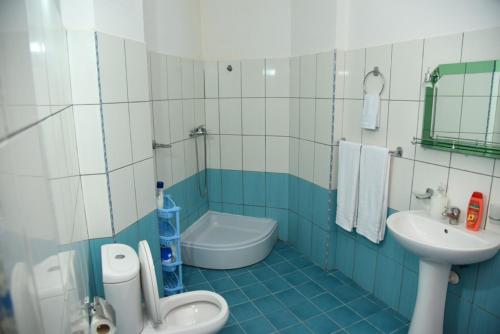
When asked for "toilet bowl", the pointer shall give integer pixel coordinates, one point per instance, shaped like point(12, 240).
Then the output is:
point(196, 312)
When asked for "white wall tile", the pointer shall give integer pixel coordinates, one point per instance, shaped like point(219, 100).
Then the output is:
point(174, 77)
point(253, 78)
point(400, 183)
point(213, 151)
point(403, 118)
point(112, 69)
point(324, 75)
point(231, 152)
point(308, 76)
point(294, 117)
point(278, 77)
point(188, 120)
point(88, 129)
point(158, 64)
point(187, 68)
point(178, 166)
point(83, 67)
point(140, 130)
point(306, 160)
point(378, 56)
point(190, 158)
point(334, 166)
point(294, 156)
point(144, 187)
point(351, 118)
point(472, 163)
point(462, 184)
point(378, 136)
point(354, 73)
point(229, 81)
point(426, 176)
point(161, 122)
point(323, 124)
point(277, 154)
point(95, 194)
point(199, 112)
point(117, 135)
point(481, 45)
point(163, 161)
point(496, 171)
point(137, 71)
point(322, 165)
point(277, 116)
point(338, 120)
point(230, 116)
point(295, 77)
point(254, 153)
point(199, 80)
point(175, 117)
point(340, 73)
point(121, 185)
point(307, 118)
point(253, 114)
point(211, 79)
point(494, 200)
point(406, 70)
point(212, 115)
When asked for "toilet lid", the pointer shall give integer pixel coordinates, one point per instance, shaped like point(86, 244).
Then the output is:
point(148, 282)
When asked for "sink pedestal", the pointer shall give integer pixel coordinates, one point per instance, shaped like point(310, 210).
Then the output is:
point(431, 296)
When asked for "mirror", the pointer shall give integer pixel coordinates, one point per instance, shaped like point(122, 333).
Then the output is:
point(462, 108)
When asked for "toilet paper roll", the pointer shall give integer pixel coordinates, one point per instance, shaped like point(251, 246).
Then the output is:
point(100, 325)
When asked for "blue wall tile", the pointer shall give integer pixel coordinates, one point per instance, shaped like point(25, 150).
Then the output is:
point(456, 315)
point(488, 286)
point(232, 186)
point(388, 276)
point(344, 258)
point(293, 226)
point(408, 293)
point(281, 216)
point(95, 252)
point(277, 190)
point(411, 261)
point(254, 188)
point(214, 185)
point(318, 245)
point(215, 206)
point(483, 322)
point(465, 288)
point(364, 266)
point(304, 236)
point(320, 207)
point(306, 199)
point(129, 236)
point(293, 193)
point(254, 211)
point(236, 209)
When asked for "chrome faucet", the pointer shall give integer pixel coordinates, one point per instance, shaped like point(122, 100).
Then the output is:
point(453, 213)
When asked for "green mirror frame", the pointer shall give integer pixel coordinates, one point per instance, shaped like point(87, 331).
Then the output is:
point(454, 145)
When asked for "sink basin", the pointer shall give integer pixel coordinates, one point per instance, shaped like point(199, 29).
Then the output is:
point(438, 241)
point(438, 245)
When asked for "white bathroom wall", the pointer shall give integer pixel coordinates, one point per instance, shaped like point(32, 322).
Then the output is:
point(241, 29)
point(404, 65)
point(372, 23)
point(173, 27)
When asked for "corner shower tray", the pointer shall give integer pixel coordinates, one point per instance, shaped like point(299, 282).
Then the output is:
point(226, 241)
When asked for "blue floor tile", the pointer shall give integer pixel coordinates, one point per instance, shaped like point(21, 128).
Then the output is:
point(290, 297)
point(212, 275)
point(305, 310)
point(276, 284)
point(296, 278)
point(282, 319)
point(264, 273)
point(343, 316)
point(244, 311)
point(297, 329)
point(258, 326)
point(244, 279)
point(362, 327)
point(347, 293)
point(385, 321)
point(321, 324)
point(283, 268)
point(268, 304)
point(255, 290)
point(310, 289)
point(234, 297)
point(234, 329)
point(223, 284)
point(364, 307)
point(326, 302)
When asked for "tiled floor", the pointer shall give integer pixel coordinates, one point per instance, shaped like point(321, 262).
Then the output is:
point(286, 293)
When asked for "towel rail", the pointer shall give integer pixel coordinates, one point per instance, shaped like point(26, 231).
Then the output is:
point(376, 72)
point(398, 152)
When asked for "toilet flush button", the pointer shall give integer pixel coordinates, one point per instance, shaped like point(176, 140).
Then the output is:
point(119, 256)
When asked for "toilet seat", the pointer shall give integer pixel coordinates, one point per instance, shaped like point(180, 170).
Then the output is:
point(194, 312)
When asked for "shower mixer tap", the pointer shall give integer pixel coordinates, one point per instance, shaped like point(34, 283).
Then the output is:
point(198, 131)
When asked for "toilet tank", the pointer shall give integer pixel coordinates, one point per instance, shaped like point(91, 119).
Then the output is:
point(122, 286)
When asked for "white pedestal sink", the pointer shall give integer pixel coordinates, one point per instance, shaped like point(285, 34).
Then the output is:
point(439, 245)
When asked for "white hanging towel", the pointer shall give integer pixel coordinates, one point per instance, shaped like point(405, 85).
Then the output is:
point(373, 192)
point(370, 119)
point(347, 188)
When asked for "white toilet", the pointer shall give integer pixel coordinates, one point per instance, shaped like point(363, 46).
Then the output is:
point(195, 312)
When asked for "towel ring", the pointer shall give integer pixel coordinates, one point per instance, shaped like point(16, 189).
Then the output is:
point(376, 72)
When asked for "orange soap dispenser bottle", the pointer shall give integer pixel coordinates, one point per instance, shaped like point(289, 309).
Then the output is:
point(475, 211)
